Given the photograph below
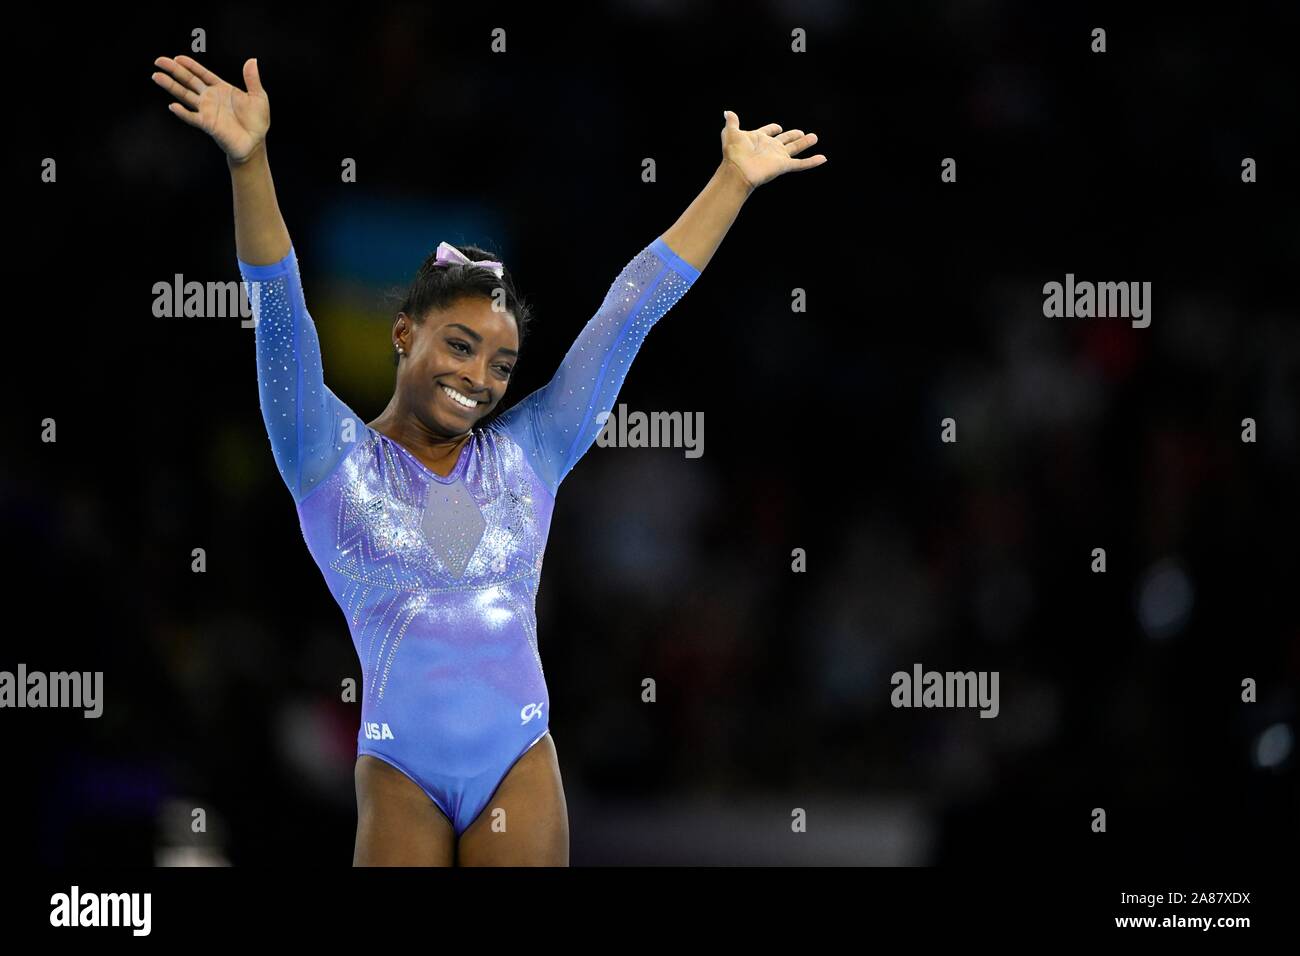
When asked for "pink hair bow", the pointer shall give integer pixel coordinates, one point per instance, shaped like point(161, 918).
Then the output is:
point(449, 255)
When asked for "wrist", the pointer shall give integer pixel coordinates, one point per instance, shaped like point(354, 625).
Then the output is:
point(731, 175)
point(256, 154)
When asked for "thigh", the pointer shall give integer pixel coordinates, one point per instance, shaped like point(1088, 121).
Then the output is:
point(397, 823)
point(534, 830)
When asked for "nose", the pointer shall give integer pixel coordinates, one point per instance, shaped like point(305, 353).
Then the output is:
point(473, 387)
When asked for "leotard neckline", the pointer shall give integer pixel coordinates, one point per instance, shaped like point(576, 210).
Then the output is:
point(441, 479)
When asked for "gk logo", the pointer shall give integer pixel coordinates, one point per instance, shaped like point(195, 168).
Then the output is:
point(529, 712)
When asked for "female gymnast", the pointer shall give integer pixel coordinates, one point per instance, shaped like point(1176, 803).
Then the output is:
point(430, 531)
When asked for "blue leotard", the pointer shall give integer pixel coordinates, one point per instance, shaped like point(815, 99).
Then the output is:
point(437, 576)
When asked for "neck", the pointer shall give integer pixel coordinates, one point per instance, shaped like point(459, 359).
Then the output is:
point(402, 426)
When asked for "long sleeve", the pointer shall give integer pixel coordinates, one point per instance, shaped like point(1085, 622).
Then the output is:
point(556, 424)
point(304, 420)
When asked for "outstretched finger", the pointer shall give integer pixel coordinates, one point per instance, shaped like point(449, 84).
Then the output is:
point(201, 71)
point(789, 136)
point(771, 129)
point(796, 146)
point(252, 79)
point(180, 73)
point(809, 163)
point(188, 116)
point(182, 93)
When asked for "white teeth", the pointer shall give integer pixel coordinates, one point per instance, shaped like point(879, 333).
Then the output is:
point(457, 396)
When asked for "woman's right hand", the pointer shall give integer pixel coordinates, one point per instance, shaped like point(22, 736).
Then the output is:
point(238, 121)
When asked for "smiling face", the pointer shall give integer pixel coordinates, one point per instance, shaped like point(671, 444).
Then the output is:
point(468, 348)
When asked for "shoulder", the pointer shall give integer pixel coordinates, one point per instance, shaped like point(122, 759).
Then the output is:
point(503, 445)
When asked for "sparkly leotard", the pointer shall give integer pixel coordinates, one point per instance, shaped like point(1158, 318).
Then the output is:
point(437, 576)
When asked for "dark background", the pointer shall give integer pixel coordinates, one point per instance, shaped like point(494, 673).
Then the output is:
point(1119, 690)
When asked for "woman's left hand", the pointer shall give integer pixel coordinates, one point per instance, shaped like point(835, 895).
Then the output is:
point(763, 154)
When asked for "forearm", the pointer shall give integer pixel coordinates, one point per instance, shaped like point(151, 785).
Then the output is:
point(261, 237)
point(698, 232)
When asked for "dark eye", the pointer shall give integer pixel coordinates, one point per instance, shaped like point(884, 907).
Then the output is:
point(461, 344)
point(505, 369)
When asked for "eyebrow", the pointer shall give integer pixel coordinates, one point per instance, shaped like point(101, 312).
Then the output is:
point(478, 338)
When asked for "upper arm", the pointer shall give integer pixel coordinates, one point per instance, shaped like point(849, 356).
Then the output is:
point(556, 424)
point(306, 422)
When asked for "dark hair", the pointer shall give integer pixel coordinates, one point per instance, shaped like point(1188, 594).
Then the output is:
point(437, 287)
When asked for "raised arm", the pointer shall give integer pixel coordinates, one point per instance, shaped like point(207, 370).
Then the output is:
point(749, 159)
point(556, 424)
point(238, 121)
point(309, 427)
